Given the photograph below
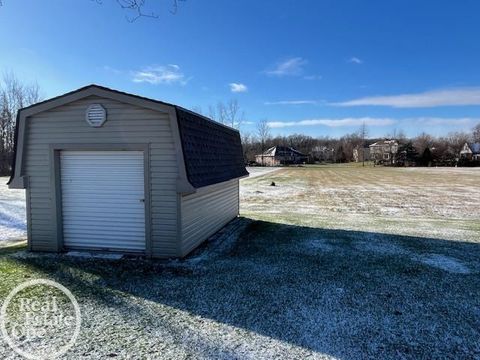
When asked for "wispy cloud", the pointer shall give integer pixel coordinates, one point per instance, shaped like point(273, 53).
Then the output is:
point(334, 122)
point(112, 69)
point(437, 121)
point(464, 122)
point(355, 60)
point(292, 102)
point(289, 67)
point(313, 77)
point(160, 74)
point(434, 98)
point(238, 87)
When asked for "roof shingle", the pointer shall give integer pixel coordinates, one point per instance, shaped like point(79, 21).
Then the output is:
point(212, 152)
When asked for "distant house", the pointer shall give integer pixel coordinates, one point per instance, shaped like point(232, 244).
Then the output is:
point(361, 154)
point(281, 155)
point(384, 152)
point(470, 152)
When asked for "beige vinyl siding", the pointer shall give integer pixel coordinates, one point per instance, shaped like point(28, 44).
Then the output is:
point(207, 211)
point(126, 124)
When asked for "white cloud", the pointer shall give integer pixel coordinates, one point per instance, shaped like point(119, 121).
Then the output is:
point(160, 74)
point(313, 77)
point(289, 67)
point(238, 87)
point(291, 102)
point(334, 122)
point(436, 121)
point(434, 98)
point(111, 69)
point(466, 122)
point(355, 60)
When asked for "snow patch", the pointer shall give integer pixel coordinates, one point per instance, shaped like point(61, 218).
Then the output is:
point(13, 223)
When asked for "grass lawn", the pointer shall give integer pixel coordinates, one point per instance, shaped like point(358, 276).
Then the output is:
point(334, 262)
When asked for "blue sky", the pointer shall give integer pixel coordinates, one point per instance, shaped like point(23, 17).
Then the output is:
point(314, 67)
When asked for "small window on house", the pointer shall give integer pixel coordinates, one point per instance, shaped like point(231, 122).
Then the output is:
point(386, 156)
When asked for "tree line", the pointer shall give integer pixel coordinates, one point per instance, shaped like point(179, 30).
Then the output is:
point(421, 149)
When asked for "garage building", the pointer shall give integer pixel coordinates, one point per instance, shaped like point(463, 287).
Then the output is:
point(110, 171)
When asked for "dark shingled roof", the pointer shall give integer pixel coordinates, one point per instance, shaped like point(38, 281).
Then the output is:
point(212, 152)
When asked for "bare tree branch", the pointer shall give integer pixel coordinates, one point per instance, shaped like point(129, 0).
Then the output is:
point(175, 6)
point(137, 7)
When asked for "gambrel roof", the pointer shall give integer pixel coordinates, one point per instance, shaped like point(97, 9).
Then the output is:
point(209, 152)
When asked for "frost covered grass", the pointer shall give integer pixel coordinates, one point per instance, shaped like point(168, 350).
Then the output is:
point(428, 202)
point(332, 263)
point(13, 225)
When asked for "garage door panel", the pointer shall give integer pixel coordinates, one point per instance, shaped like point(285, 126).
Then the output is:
point(103, 200)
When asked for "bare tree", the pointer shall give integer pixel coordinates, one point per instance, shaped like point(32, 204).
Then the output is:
point(14, 95)
point(422, 142)
point(232, 115)
point(456, 141)
point(248, 145)
point(263, 133)
point(212, 114)
point(228, 114)
point(476, 133)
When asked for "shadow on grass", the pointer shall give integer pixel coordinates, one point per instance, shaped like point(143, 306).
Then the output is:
point(347, 294)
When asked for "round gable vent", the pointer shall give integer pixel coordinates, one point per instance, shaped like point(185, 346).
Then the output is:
point(96, 115)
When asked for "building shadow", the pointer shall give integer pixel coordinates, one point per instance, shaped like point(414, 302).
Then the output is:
point(347, 294)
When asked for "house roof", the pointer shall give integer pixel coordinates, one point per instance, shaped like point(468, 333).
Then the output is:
point(385, 142)
point(211, 152)
point(471, 148)
point(475, 148)
point(281, 151)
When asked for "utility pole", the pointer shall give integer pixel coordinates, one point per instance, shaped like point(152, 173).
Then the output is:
point(363, 134)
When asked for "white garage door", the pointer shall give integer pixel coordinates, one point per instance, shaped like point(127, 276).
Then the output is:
point(103, 206)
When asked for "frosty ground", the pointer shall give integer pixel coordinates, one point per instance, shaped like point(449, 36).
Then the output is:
point(333, 262)
point(13, 224)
